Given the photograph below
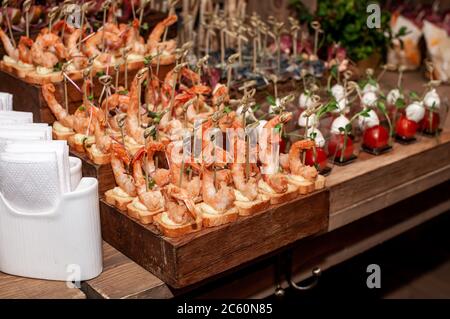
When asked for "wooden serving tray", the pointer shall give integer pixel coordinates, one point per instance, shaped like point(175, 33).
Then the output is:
point(28, 97)
point(195, 257)
point(103, 173)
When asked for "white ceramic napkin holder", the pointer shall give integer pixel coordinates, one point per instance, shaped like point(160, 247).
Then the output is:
point(63, 243)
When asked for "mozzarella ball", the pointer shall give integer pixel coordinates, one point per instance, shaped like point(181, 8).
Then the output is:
point(415, 112)
point(304, 101)
point(432, 99)
point(369, 99)
point(393, 96)
point(338, 91)
point(312, 119)
point(368, 122)
point(371, 88)
point(339, 122)
point(319, 139)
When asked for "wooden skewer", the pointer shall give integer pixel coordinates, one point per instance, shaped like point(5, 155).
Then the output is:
point(8, 23)
point(27, 7)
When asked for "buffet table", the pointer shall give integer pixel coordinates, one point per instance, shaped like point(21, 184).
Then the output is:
point(371, 201)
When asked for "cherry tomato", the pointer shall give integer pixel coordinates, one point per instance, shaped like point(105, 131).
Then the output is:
point(318, 157)
point(376, 137)
point(430, 125)
point(406, 128)
point(336, 145)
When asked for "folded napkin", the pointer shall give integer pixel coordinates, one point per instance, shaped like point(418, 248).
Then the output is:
point(59, 148)
point(30, 184)
point(6, 100)
point(26, 132)
point(14, 117)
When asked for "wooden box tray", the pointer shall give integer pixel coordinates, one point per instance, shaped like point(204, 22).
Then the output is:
point(103, 173)
point(28, 97)
point(195, 257)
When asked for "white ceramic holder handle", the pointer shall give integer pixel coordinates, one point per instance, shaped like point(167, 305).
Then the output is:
point(63, 243)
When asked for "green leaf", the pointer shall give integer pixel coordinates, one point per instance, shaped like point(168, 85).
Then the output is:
point(348, 127)
point(256, 108)
point(151, 183)
point(278, 127)
point(413, 95)
point(123, 92)
point(381, 106)
point(100, 74)
point(145, 26)
point(82, 108)
point(364, 113)
point(271, 100)
point(227, 109)
point(400, 103)
point(91, 97)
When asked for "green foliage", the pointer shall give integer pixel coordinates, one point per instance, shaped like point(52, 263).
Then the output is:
point(271, 100)
point(123, 92)
point(345, 22)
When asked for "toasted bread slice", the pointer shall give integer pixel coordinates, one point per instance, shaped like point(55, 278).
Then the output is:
point(320, 182)
point(170, 229)
point(78, 142)
point(212, 218)
point(17, 69)
point(96, 156)
point(138, 211)
point(304, 186)
point(247, 208)
point(38, 77)
point(278, 198)
point(60, 132)
point(118, 200)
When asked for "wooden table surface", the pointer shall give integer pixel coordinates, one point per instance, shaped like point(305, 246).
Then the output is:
point(122, 278)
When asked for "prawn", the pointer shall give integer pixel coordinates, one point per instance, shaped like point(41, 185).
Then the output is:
point(295, 164)
point(10, 50)
point(126, 182)
point(179, 205)
point(24, 48)
point(221, 198)
point(152, 198)
point(79, 122)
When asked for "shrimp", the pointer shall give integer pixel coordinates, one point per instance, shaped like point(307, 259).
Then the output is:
point(133, 112)
point(277, 181)
point(113, 42)
point(220, 198)
point(152, 198)
point(133, 40)
point(48, 49)
point(220, 96)
point(125, 181)
point(177, 175)
point(102, 140)
point(153, 93)
point(24, 47)
point(296, 166)
point(153, 42)
point(179, 205)
point(79, 122)
point(116, 100)
point(79, 59)
point(174, 128)
point(10, 50)
point(248, 187)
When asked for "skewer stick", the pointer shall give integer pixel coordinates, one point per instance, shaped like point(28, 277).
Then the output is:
point(8, 23)
point(105, 7)
point(222, 47)
point(200, 64)
point(51, 16)
point(26, 7)
point(66, 98)
point(231, 60)
point(144, 3)
point(117, 71)
point(316, 27)
point(176, 73)
point(133, 9)
point(125, 52)
point(84, 8)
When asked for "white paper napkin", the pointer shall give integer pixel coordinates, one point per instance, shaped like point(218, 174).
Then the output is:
point(60, 148)
point(30, 184)
point(23, 133)
point(6, 100)
point(14, 117)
